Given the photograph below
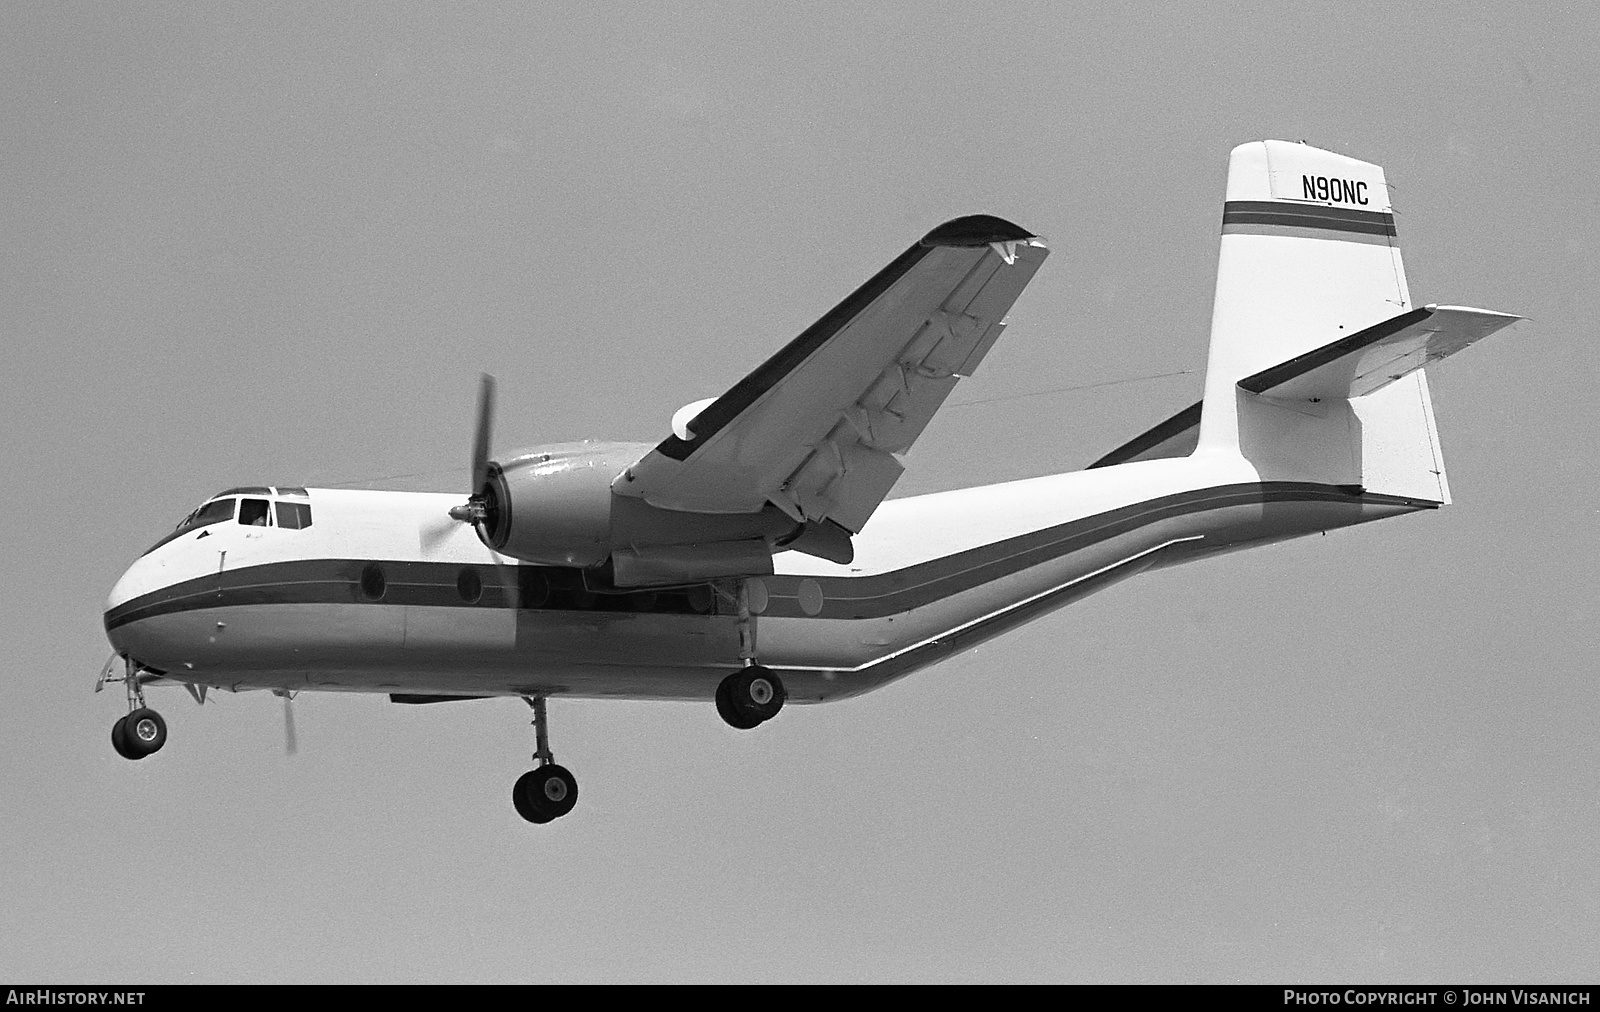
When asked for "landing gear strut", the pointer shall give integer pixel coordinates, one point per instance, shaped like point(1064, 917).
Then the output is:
point(547, 791)
point(752, 695)
point(142, 732)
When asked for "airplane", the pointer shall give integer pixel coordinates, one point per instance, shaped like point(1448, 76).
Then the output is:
point(751, 557)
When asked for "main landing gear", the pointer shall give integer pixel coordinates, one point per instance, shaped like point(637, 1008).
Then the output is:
point(548, 791)
point(752, 695)
point(142, 732)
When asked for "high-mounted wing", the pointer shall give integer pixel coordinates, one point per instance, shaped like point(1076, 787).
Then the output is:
point(815, 430)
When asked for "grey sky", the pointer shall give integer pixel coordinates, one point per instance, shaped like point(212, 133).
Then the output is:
point(261, 244)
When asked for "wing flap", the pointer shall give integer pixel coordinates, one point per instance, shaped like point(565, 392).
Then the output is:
point(816, 429)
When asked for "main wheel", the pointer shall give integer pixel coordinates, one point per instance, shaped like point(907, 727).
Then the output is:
point(755, 692)
point(119, 740)
point(731, 716)
point(522, 798)
point(144, 732)
point(546, 793)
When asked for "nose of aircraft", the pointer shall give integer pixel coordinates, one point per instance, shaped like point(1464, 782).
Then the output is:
point(141, 578)
point(126, 588)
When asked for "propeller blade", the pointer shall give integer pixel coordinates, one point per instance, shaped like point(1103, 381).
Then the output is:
point(430, 536)
point(483, 535)
point(506, 574)
point(485, 431)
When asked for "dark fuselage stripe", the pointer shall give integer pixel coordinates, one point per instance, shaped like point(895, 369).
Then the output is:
point(436, 584)
point(901, 590)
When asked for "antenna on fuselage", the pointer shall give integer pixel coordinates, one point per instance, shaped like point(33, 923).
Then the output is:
point(291, 741)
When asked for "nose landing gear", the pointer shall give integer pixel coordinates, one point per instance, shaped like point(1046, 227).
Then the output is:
point(139, 734)
point(142, 732)
point(548, 791)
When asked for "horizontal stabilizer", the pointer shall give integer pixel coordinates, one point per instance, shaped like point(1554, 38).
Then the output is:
point(1371, 359)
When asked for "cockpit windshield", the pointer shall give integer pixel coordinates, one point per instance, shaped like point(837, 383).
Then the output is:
point(292, 513)
point(213, 512)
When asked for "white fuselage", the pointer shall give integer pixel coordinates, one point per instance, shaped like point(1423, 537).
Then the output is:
point(383, 593)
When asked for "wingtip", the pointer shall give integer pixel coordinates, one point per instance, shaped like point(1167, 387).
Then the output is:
point(976, 230)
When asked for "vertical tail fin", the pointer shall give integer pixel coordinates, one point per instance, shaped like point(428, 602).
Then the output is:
point(1308, 256)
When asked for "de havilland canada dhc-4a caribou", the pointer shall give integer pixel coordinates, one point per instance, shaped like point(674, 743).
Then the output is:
point(749, 559)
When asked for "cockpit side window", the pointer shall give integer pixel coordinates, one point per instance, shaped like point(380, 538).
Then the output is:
point(294, 515)
point(253, 512)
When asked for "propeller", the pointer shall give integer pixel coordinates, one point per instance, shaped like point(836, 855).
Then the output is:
point(475, 510)
point(485, 430)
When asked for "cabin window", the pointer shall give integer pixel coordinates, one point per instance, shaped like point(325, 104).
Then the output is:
point(372, 582)
point(294, 516)
point(253, 512)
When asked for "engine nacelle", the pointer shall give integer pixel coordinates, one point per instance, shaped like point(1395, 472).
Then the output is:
point(553, 505)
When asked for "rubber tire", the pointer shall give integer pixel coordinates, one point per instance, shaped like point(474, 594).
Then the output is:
point(119, 739)
point(551, 779)
point(532, 795)
point(740, 685)
point(521, 798)
point(729, 714)
point(142, 747)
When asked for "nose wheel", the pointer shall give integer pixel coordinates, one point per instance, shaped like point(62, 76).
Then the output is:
point(548, 791)
point(143, 731)
point(139, 734)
